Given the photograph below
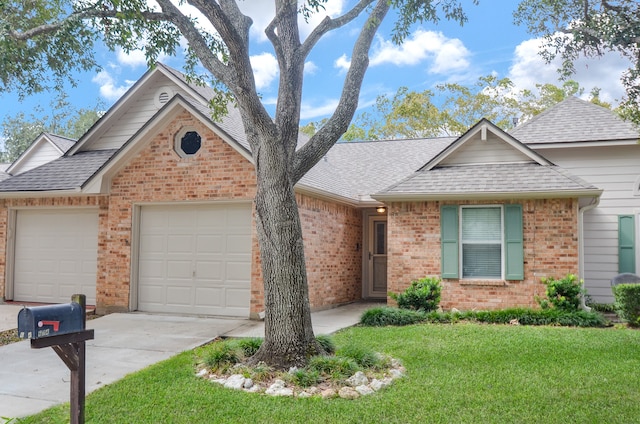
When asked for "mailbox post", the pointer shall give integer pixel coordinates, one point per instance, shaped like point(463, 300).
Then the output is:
point(63, 328)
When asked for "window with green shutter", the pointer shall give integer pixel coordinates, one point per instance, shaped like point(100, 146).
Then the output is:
point(482, 242)
point(626, 244)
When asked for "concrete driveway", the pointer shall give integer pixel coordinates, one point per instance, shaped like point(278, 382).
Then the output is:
point(32, 380)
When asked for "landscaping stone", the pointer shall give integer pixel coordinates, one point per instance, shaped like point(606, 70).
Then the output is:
point(357, 379)
point(236, 382)
point(328, 393)
point(377, 384)
point(364, 390)
point(347, 392)
point(278, 389)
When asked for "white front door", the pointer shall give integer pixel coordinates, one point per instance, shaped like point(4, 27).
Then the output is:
point(55, 255)
point(377, 272)
point(195, 259)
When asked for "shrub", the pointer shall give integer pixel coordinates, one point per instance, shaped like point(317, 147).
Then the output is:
point(327, 343)
point(627, 303)
point(221, 356)
point(333, 366)
point(364, 357)
point(385, 315)
point(305, 377)
point(421, 295)
point(248, 346)
point(563, 294)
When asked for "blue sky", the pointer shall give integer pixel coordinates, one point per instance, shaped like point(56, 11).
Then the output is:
point(489, 43)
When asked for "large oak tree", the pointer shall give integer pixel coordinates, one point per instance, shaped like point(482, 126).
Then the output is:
point(40, 36)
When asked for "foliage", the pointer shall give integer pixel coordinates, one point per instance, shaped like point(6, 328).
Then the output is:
point(384, 316)
point(627, 303)
point(334, 367)
point(305, 377)
point(327, 343)
point(221, 356)
point(380, 317)
point(19, 131)
point(451, 109)
point(563, 294)
point(248, 346)
point(572, 28)
point(422, 295)
point(363, 356)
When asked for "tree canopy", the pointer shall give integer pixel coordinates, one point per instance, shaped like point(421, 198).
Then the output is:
point(451, 109)
point(571, 28)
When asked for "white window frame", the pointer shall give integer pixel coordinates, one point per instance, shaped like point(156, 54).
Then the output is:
point(462, 242)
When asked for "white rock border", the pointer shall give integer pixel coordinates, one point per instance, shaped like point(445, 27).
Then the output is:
point(359, 384)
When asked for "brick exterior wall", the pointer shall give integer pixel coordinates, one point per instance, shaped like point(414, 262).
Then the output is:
point(550, 249)
point(157, 174)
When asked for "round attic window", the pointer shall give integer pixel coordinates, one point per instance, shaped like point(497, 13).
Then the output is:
point(187, 142)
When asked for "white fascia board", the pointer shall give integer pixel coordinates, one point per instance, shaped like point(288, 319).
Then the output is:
point(325, 195)
point(558, 194)
point(578, 144)
point(37, 194)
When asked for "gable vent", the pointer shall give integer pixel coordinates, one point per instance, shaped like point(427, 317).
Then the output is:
point(162, 96)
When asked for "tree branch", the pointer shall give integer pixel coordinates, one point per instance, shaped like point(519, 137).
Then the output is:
point(325, 138)
point(329, 24)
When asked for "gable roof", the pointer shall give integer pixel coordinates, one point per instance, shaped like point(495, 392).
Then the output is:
point(57, 143)
point(525, 174)
point(575, 121)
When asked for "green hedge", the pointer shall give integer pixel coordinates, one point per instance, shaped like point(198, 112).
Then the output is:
point(385, 316)
point(628, 303)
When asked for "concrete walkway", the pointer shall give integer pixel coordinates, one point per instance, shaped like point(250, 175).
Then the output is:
point(32, 380)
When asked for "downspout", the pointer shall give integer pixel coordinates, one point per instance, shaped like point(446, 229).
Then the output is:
point(595, 201)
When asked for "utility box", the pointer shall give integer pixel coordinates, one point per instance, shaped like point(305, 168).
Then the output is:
point(45, 321)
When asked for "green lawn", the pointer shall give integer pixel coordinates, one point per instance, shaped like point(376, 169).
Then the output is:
point(462, 373)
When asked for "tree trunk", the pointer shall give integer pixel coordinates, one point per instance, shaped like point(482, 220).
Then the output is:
point(289, 339)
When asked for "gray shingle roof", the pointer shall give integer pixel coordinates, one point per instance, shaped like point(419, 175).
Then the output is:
point(356, 170)
point(574, 120)
point(63, 143)
point(488, 179)
point(64, 173)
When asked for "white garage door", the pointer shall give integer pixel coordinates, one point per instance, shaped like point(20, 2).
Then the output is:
point(195, 259)
point(55, 255)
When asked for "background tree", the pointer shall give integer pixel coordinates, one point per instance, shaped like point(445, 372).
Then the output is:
point(572, 28)
point(19, 131)
point(453, 108)
point(29, 29)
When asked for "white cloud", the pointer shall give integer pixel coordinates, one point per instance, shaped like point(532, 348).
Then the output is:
point(310, 68)
point(309, 111)
point(132, 59)
point(108, 87)
point(265, 69)
point(446, 54)
point(529, 68)
point(342, 63)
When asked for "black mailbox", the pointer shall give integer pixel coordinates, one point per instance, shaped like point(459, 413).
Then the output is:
point(51, 320)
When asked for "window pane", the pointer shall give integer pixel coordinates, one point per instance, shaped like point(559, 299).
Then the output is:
point(481, 224)
point(481, 261)
point(380, 238)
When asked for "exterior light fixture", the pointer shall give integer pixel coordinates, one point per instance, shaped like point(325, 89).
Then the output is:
point(381, 209)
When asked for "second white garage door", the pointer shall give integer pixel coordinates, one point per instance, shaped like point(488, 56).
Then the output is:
point(195, 259)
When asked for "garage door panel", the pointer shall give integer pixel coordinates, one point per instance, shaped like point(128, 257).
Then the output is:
point(201, 243)
point(55, 255)
point(151, 269)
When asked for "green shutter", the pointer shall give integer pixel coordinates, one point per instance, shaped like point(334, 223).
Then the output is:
point(449, 241)
point(626, 244)
point(513, 242)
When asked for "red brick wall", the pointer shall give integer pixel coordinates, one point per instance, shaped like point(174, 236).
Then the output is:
point(550, 249)
point(332, 234)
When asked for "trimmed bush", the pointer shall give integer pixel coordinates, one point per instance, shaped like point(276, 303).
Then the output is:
point(386, 315)
point(563, 294)
point(628, 303)
point(421, 295)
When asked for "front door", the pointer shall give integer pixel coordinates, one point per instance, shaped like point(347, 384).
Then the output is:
point(377, 256)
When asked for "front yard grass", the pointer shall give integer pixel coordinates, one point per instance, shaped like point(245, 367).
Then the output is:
point(460, 373)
